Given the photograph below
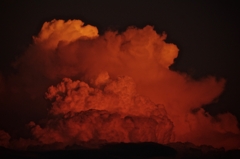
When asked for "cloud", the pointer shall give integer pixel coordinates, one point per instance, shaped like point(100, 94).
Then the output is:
point(115, 113)
point(60, 31)
point(120, 75)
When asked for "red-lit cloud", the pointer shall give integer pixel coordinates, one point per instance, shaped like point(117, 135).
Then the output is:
point(114, 113)
point(125, 91)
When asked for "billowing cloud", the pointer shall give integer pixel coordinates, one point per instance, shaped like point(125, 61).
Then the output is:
point(115, 80)
point(58, 30)
point(114, 113)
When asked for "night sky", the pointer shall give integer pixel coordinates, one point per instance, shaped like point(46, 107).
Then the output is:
point(206, 33)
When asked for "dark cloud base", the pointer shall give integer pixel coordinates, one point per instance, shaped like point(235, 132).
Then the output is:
point(126, 150)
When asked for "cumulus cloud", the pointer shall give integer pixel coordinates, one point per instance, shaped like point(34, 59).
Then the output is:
point(115, 113)
point(125, 76)
point(60, 31)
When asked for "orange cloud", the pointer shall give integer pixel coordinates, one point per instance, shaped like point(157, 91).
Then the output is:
point(125, 76)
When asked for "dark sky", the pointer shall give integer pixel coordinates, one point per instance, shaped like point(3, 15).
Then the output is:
point(206, 33)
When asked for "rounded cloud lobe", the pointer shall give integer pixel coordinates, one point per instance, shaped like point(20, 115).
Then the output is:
point(114, 113)
point(118, 87)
